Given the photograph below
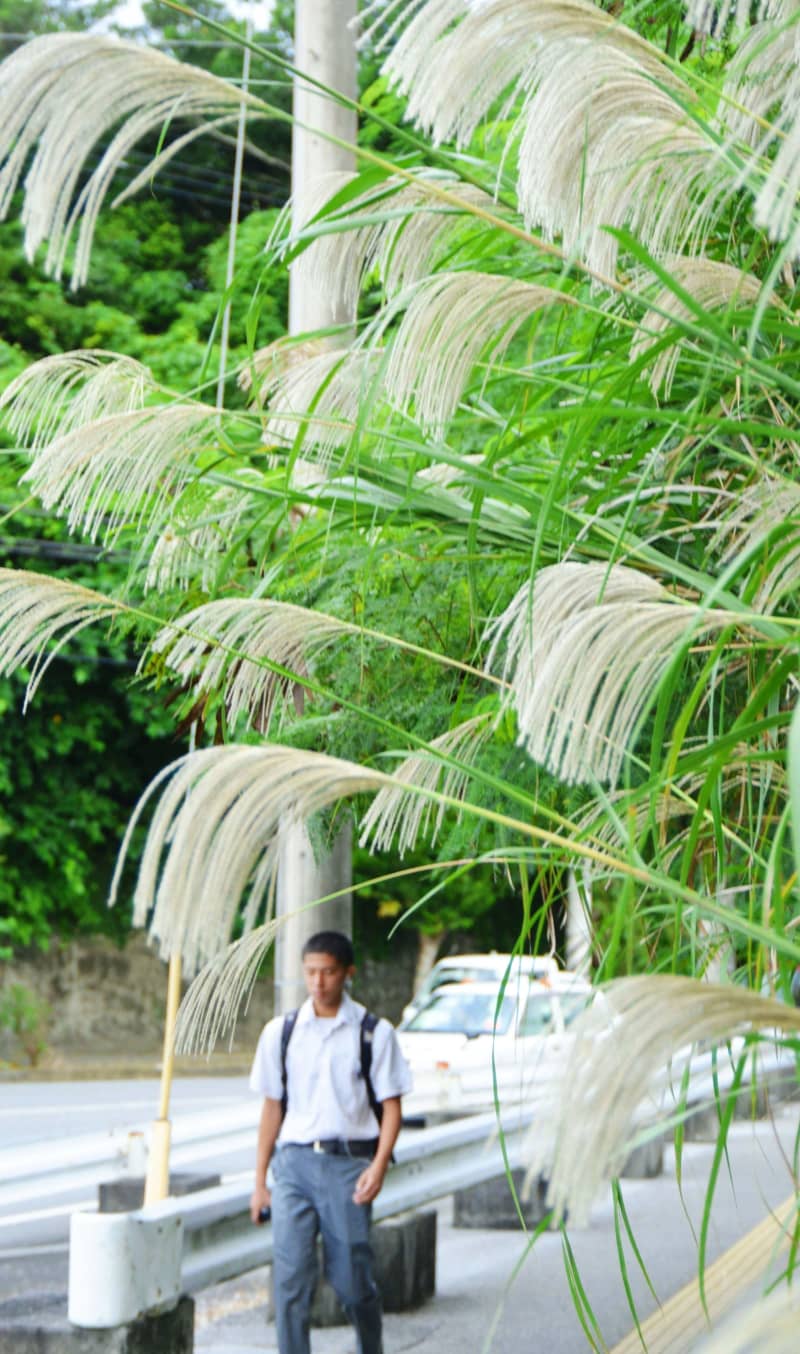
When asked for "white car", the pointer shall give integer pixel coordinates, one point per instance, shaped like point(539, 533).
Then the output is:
point(466, 1035)
point(471, 968)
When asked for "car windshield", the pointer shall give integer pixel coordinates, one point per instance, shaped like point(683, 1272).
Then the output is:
point(571, 1006)
point(462, 1013)
point(463, 974)
point(538, 1018)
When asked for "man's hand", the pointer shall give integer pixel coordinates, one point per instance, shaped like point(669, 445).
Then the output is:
point(368, 1184)
point(260, 1198)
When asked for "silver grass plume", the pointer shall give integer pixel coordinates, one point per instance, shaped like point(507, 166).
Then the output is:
point(671, 812)
point(123, 468)
point(35, 611)
point(313, 392)
point(713, 285)
point(762, 82)
point(757, 513)
point(61, 96)
point(67, 390)
point(620, 1060)
point(585, 647)
point(451, 320)
point(213, 839)
point(593, 97)
point(767, 1325)
point(713, 16)
point(607, 143)
point(398, 230)
point(392, 814)
point(210, 1008)
point(189, 549)
point(286, 635)
point(454, 59)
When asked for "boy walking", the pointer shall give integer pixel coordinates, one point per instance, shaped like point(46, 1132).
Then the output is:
point(331, 1077)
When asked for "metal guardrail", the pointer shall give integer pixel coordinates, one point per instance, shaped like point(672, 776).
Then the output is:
point(220, 1241)
point(45, 1169)
point(124, 1264)
point(190, 1243)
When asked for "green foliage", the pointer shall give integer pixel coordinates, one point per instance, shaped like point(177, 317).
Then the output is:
point(27, 1017)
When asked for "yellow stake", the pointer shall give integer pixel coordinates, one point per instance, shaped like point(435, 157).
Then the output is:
point(157, 1182)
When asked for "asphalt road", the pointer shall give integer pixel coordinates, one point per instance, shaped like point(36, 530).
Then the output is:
point(490, 1293)
point(34, 1232)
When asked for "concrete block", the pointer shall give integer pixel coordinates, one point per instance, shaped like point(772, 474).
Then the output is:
point(645, 1161)
point(38, 1324)
point(405, 1268)
point(122, 1266)
point(751, 1102)
point(702, 1124)
point(126, 1194)
point(491, 1204)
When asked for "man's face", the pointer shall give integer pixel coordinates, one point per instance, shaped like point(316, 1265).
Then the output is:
point(325, 979)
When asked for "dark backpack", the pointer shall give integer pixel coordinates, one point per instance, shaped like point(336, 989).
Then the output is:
point(368, 1023)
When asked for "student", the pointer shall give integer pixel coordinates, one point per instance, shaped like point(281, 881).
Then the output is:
point(331, 1082)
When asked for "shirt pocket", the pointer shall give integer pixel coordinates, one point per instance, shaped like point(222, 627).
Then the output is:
point(349, 1086)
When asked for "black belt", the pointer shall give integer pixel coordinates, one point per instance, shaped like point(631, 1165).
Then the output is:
point(343, 1147)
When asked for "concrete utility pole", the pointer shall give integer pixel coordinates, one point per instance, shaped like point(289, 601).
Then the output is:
point(579, 911)
point(324, 49)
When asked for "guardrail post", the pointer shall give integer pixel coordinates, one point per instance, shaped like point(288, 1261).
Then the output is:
point(122, 1265)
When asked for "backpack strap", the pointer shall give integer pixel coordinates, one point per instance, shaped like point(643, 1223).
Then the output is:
point(289, 1022)
point(368, 1024)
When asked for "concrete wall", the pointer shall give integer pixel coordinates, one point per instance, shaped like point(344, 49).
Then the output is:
point(104, 999)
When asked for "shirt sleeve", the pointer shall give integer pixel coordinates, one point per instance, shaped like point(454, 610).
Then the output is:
point(265, 1074)
point(391, 1074)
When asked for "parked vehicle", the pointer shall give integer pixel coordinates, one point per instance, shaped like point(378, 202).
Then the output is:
point(470, 968)
point(470, 1036)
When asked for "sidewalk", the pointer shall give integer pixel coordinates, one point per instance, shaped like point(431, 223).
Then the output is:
point(491, 1296)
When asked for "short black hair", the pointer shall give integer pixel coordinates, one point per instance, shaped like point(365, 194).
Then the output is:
point(334, 943)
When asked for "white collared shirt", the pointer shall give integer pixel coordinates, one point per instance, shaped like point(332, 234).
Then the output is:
point(326, 1091)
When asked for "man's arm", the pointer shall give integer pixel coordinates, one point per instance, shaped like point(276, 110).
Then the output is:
point(370, 1181)
point(268, 1130)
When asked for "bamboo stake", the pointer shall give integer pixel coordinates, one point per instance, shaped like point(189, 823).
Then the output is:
point(157, 1182)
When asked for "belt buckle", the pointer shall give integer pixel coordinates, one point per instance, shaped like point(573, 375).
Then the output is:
point(317, 1147)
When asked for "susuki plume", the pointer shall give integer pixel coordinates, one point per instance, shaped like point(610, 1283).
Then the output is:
point(67, 390)
point(122, 468)
point(200, 532)
point(585, 648)
point(214, 835)
point(620, 1058)
point(760, 510)
point(63, 94)
point(712, 16)
point(211, 1006)
point(400, 230)
point(35, 610)
point(712, 285)
point(286, 635)
point(454, 59)
point(392, 813)
point(605, 136)
point(607, 143)
point(766, 1325)
point(762, 82)
point(450, 321)
point(314, 390)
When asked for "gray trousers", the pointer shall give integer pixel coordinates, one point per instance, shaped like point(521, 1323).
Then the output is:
point(312, 1192)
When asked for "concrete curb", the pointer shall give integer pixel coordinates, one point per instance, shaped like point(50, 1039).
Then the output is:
point(130, 1069)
